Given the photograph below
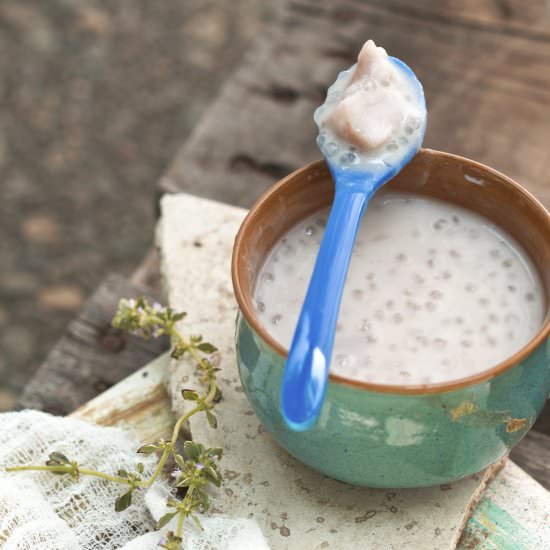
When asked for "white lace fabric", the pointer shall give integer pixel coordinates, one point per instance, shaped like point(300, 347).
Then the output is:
point(40, 510)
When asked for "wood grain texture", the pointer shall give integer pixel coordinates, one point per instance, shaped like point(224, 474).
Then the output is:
point(483, 65)
point(533, 456)
point(91, 356)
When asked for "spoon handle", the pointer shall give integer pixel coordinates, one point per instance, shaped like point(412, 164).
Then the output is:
point(307, 366)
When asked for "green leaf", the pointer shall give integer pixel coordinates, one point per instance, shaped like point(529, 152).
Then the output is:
point(122, 473)
point(218, 396)
point(58, 457)
point(190, 395)
point(216, 451)
point(195, 338)
point(140, 467)
point(165, 519)
point(205, 347)
point(147, 449)
point(179, 316)
point(212, 420)
point(179, 461)
point(172, 502)
point(192, 450)
point(178, 352)
point(212, 475)
point(123, 501)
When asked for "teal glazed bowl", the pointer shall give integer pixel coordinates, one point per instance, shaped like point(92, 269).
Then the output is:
point(398, 436)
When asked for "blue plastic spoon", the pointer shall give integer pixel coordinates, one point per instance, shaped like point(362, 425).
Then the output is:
point(307, 367)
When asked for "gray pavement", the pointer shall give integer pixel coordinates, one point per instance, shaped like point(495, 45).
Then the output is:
point(95, 99)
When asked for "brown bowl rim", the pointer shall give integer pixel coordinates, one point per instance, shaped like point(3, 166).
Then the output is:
point(413, 389)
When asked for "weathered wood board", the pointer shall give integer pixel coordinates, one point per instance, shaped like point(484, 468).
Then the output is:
point(483, 63)
point(294, 505)
point(92, 355)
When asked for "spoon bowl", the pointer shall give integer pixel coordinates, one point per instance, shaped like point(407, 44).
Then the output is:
point(307, 367)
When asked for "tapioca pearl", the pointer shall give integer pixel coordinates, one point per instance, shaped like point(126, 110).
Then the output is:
point(288, 251)
point(397, 318)
point(276, 319)
point(331, 148)
point(507, 263)
point(401, 258)
point(379, 315)
point(358, 294)
point(412, 123)
point(403, 140)
point(339, 327)
point(366, 326)
point(529, 297)
point(439, 224)
point(390, 304)
point(454, 254)
point(470, 287)
point(321, 222)
point(392, 146)
point(412, 305)
point(268, 277)
point(511, 318)
point(456, 219)
point(310, 230)
point(418, 279)
point(459, 320)
point(370, 276)
point(260, 306)
point(439, 343)
point(373, 286)
point(408, 292)
point(342, 361)
point(421, 339)
point(349, 158)
point(430, 306)
point(436, 294)
point(483, 302)
point(511, 288)
point(494, 253)
point(371, 339)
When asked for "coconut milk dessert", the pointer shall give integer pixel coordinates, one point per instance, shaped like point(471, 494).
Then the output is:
point(434, 292)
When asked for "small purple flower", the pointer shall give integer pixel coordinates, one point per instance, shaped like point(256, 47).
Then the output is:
point(139, 309)
point(176, 473)
point(161, 542)
point(130, 303)
point(157, 307)
point(199, 466)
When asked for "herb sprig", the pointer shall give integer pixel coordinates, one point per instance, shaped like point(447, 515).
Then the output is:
point(197, 468)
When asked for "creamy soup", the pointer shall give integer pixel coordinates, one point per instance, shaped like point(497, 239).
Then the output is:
point(434, 292)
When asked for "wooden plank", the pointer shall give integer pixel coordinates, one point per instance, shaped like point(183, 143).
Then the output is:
point(188, 271)
point(483, 65)
point(533, 456)
point(138, 403)
point(91, 356)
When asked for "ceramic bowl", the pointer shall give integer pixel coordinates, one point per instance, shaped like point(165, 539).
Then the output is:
point(398, 436)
